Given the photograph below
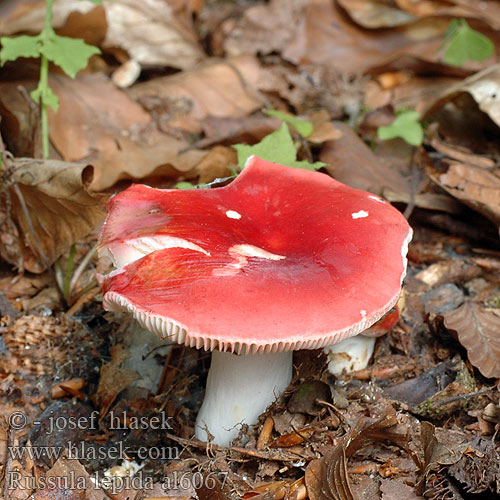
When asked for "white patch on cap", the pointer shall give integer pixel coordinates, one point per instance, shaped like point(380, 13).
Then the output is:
point(240, 253)
point(360, 214)
point(376, 198)
point(233, 268)
point(363, 313)
point(253, 251)
point(129, 251)
point(233, 214)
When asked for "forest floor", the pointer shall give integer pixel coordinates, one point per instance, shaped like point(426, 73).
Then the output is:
point(163, 103)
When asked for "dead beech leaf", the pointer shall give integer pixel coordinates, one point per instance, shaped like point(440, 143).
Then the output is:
point(324, 130)
point(216, 164)
point(475, 186)
point(217, 88)
point(81, 487)
point(319, 32)
point(477, 331)
point(375, 14)
point(327, 478)
point(151, 34)
point(351, 161)
point(102, 125)
point(92, 115)
point(61, 210)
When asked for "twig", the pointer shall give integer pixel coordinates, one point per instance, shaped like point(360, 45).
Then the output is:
point(462, 396)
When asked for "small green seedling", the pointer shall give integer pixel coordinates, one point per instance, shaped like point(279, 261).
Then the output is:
point(70, 54)
point(277, 147)
point(464, 43)
point(406, 125)
point(303, 127)
point(185, 185)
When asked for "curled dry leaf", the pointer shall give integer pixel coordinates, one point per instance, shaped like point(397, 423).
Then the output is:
point(477, 330)
point(319, 32)
point(327, 478)
point(476, 187)
point(151, 34)
point(61, 211)
point(102, 125)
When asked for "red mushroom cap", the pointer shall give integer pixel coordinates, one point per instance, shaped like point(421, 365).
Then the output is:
point(280, 259)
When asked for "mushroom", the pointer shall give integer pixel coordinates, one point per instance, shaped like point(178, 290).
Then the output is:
point(354, 353)
point(280, 259)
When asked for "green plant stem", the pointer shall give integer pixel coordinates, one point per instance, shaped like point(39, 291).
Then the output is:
point(44, 80)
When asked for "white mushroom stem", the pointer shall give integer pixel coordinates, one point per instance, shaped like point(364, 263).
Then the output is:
point(350, 355)
point(238, 390)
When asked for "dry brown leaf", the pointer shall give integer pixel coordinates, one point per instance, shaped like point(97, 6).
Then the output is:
point(25, 285)
point(216, 164)
point(151, 34)
point(477, 330)
point(132, 159)
point(474, 186)
point(92, 115)
point(324, 129)
point(70, 481)
point(327, 478)
point(264, 28)
point(60, 208)
point(100, 124)
point(218, 88)
point(375, 13)
point(318, 32)
point(483, 87)
point(351, 161)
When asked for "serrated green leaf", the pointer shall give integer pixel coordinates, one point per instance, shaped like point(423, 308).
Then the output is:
point(185, 185)
point(303, 127)
point(466, 43)
point(70, 54)
point(276, 147)
point(19, 46)
point(406, 125)
point(46, 96)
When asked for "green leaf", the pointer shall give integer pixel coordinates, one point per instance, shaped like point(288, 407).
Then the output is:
point(303, 127)
point(406, 125)
point(185, 185)
point(19, 46)
point(276, 147)
point(46, 96)
point(466, 43)
point(96, 2)
point(70, 54)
